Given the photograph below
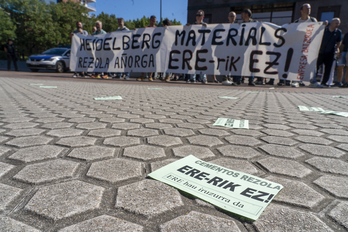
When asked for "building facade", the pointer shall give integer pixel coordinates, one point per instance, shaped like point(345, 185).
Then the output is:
point(275, 11)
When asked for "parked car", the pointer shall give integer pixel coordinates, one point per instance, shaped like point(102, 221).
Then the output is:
point(53, 59)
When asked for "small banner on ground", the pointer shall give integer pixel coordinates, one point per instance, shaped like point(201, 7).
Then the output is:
point(232, 123)
point(306, 108)
point(234, 191)
point(48, 87)
point(287, 52)
point(107, 98)
point(226, 97)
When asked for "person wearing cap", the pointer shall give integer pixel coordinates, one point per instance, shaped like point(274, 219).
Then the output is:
point(11, 55)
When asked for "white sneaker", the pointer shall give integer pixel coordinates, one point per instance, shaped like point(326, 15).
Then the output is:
point(227, 82)
point(126, 77)
point(296, 85)
point(315, 85)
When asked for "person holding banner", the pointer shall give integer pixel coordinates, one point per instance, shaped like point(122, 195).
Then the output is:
point(99, 31)
point(79, 30)
point(329, 46)
point(122, 27)
point(342, 62)
point(192, 77)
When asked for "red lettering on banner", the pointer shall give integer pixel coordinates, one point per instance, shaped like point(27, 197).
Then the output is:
point(303, 60)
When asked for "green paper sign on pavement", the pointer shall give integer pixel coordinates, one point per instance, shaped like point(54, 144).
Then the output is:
point(108, 98)
point(226, 97)
point(232, 123)
point(340, 96)
point(48, 87)
point(305, 108)
point(234, 191)
point(343, 114)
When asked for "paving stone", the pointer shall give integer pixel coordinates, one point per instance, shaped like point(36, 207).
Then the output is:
point(115, 170)
point(242, 140)
point(159, 164)
point(180, 132)
point(15, 119)
point(57, 125)
point(104, 133)
point(338, 186)
point(282, 151)
point(7, 194)
point(307, 132)
point(322, 150)
point(238, 151)
point(4, 150)
point(335, 132)
point(37, 153)
point(66, 199)
point(3, 138)
point(125, 126)
point(329, 165)
point(142, 120)
point(47, 171)
point(195, 221)
point(313, 139)
point(64, 132)
point(29, 141)
point(91, 125)
point(282, 218)
point(279, 140)
point(192, 126)
point(112, 120)
point(77, 141)
point(281, 133)
point(214, 132)
point(93, 153)
point(128, 116)
point(148, 197)
point(329, 126)
point(24, 132)
point(158, 125)
point(339, 214)
point(199, 152)
point(154, 116)
point(122, 141)
point(82, 120)
point(340, 139)
point(284, 167)
point(237, 165)
point(277, 127)
point(9, 224)
point(249, 132)
point(144, 152)
point(343, 147)
point(204, 140)
point(142, 132)
point(21, 125)
point(103, 223)
point(164, 140)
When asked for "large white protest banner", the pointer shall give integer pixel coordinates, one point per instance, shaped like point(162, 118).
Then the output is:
point(250, 49)
point(234, 191)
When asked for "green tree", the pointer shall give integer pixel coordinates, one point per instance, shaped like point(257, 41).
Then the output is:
point(109, 22)
point(7, 27)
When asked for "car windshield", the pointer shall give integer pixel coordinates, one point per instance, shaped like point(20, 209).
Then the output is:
point(54, 51)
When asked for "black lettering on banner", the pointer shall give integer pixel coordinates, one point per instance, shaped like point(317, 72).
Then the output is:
point(117, 62)
point(220, 60)
point(130, 61)
point(143, 62)
point(251, 36)
point(158, 42)
point(203, 36)
point(257, 195)
point(200, 59)
point(80, 62)
point(215, 37)
point(135, 40)
point(192, 172)
point(146, 40)
point(125, 43)
point(261, 36)
point(106, 46)
point(253, 60)
point(177, 34)
point(100, 43)
point(91, 61)
point(186, 60)
point(191, 36)
point(93, 43)
point(241, 40)
point(202, 175)
point(272, 63)
point(232, 64)
point(82, 44)
point(230, 37)
point(124, 61)
point(136, 63)
point(113, 45)
point(281, 38)
point(214, 181)
point(170, 66)
point(152, 60)
point(88, 47)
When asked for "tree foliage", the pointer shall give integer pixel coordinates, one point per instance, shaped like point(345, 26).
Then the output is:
point(7, 27)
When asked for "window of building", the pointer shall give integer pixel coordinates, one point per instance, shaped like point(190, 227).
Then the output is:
point(328, 13)
point(277, 13)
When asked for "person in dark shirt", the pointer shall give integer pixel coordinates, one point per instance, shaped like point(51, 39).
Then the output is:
point(329, 46)
point(11, 55)
point(342, 62)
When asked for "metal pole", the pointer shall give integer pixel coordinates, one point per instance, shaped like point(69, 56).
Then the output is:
point(160, 12)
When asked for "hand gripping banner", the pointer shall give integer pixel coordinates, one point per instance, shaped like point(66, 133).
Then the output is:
point(250, 49)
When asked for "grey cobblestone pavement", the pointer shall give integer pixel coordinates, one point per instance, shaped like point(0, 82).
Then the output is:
point(70, 163)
